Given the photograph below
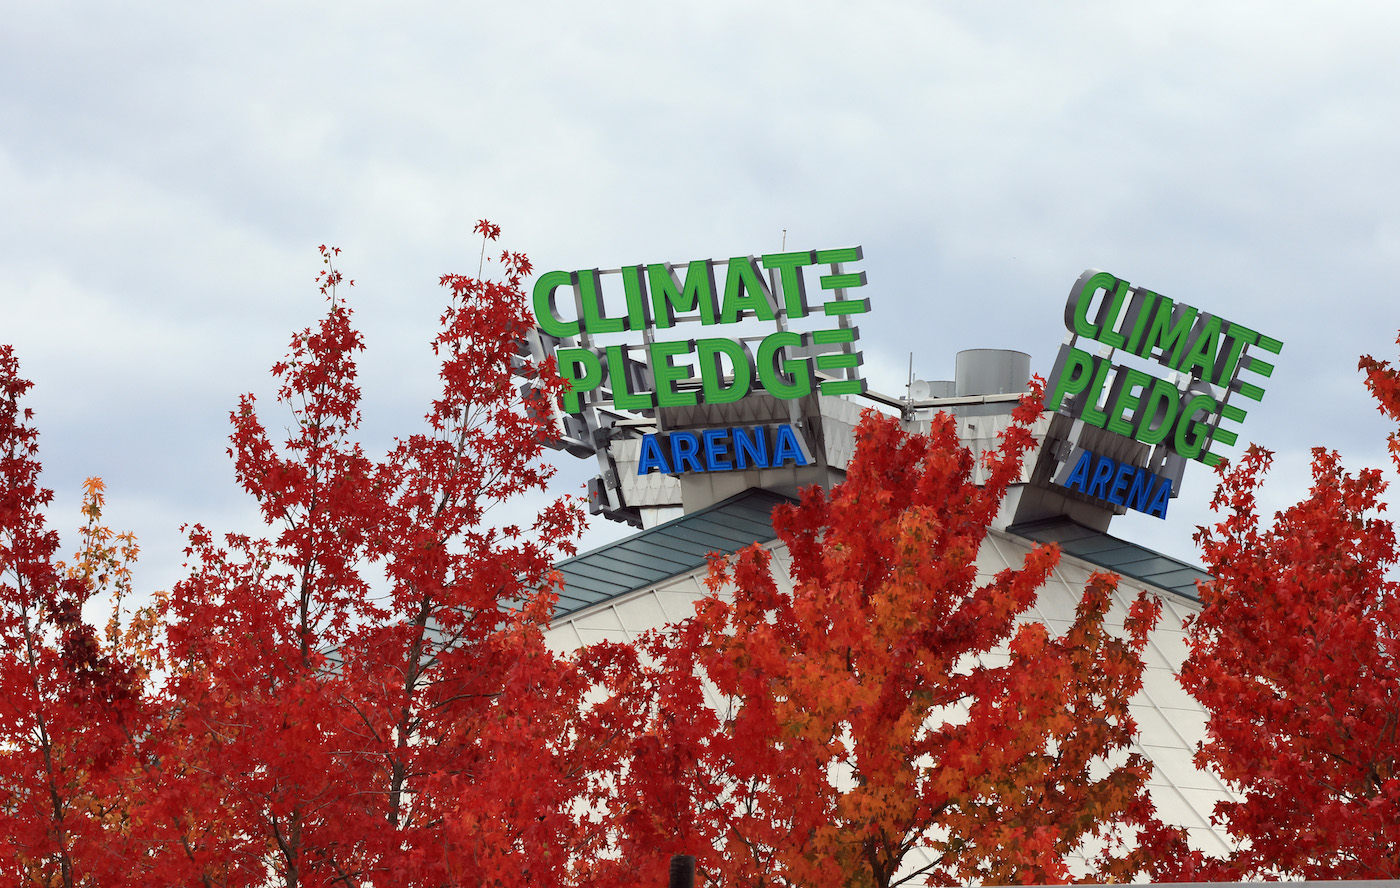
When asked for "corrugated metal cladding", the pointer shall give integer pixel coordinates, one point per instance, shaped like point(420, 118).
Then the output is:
point(1119, 556)
point(666, 550)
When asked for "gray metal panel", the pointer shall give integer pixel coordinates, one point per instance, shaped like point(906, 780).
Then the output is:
point(1119, 556)
point(666, 550)
point(739, 531)
point(1055, 530)
point(606, 573)
point(1152, 564)
point(643, 561)
point(583, 582)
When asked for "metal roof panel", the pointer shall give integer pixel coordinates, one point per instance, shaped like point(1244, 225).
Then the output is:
point(666, 550)
point(1120, 556)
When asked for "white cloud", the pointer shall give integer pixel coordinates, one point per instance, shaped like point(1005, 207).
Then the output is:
point(168, 169)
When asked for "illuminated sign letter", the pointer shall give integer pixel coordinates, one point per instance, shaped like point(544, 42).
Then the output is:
point(685, 447)
point(623, 399)
point(1082, 296)
point(1160, 498)
point(595, 320)
point(635, 288)
point(1073, 370)
point(668, 295)
point(751, 444)
point(667, 374)
point(1153, 420)
point(1191, 433)
point(783, 377)
point(1205, 342)
point(841, 280)
point(744, 290)
point(571, 362)
point(1168, 331)
point(545, 313)
point(715, 449)
point(786, 447)
point(652, 456)
point(789, 267)
point(1080, 476)
point(712, 372)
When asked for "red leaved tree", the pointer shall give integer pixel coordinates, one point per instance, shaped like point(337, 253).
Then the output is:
point(1296, 658)
point(364, 696)
point(65, 699)
point(883, 699)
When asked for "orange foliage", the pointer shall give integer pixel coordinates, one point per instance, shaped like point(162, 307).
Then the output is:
point(865, 709)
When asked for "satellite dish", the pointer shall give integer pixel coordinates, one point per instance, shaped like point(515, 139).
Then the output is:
point(919, 390)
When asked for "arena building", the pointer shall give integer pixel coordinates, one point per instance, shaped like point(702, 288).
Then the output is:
point(697, 439)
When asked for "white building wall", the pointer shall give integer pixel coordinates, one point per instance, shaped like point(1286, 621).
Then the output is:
point(1170, 722)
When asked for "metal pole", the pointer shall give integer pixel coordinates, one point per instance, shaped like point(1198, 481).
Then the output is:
point(682, 871)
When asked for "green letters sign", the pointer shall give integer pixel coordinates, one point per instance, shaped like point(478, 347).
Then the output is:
point(1209, 354)
point(659, 296)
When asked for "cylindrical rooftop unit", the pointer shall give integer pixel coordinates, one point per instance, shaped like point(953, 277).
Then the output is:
point(991, 371)
point(923, 389)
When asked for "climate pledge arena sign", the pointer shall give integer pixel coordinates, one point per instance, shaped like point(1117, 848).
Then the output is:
point(1178, 412)
point(658, 297)
point(1145, 383)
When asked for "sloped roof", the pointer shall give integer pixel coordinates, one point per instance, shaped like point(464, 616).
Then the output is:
point(681, 545)
point(1119, 556)
point(663, 551)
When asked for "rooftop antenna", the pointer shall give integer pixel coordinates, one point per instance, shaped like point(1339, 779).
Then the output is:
point(909, 390)
point(780, 312)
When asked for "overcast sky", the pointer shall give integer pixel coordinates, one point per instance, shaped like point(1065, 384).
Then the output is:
point(168, 169)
